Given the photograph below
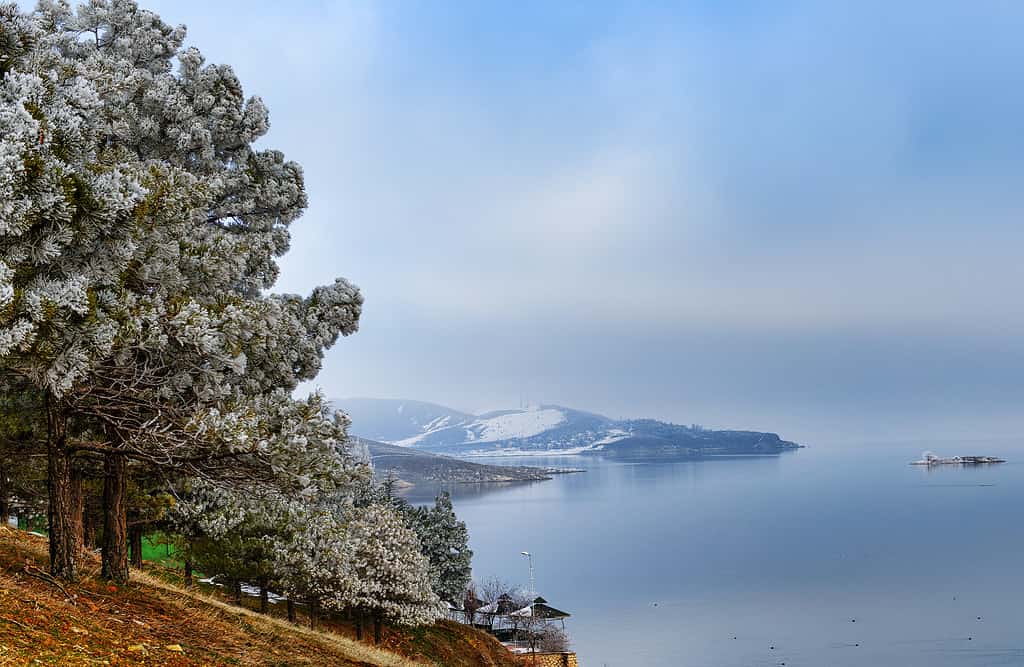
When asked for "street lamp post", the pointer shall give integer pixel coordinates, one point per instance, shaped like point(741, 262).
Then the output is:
point(533, 585)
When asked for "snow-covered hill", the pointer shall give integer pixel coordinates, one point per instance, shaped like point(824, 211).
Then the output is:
point(533, 430)
point(544, 429)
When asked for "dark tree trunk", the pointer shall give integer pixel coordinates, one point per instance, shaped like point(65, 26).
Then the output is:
point(359, 626)
point(135, 543)
point(60, 511)
point(236, 590)
point(314, 613)
point(78, 507)
point(5, 503)
point(264, 595)
point(291, 611)
point(188, 572)
point(115, 529)
point(376, 628)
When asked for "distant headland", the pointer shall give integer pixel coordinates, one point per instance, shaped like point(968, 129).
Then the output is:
point(548, 430)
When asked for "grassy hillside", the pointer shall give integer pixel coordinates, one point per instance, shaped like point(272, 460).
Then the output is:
point(156, 621)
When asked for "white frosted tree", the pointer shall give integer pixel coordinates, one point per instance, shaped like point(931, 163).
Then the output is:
point(65, 220)
point(139, 228)
point(391, 577)
point(313, 557)
point(359, 560)
point(444, 540)
point(298, 454)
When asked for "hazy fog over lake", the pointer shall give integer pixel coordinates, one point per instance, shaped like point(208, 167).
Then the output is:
point(800, 217)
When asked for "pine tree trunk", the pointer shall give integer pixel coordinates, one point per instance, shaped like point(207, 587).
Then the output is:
point(188, 572)
point(60, 511)
point(264, 596)
point(5, 504)
point(236, 589)
point(291, 611)
point(377, 622)
point(78, 507)
point(135, 543)
point(359, 626)
point(115, 529)
point(314, 613)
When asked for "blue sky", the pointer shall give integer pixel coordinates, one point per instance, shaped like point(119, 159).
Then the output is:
point(795, 216)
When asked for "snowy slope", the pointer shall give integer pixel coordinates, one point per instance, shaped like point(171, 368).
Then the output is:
point(507, 425)
point(532, 430)
point(521, 424)
point(434, 428)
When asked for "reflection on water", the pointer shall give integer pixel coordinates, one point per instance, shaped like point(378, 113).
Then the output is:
point(848, 557)
point(424, 494)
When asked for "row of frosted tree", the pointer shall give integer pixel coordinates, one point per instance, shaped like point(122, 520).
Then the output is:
point(146, 369)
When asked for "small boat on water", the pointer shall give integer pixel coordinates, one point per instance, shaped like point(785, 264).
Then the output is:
point(930, 459)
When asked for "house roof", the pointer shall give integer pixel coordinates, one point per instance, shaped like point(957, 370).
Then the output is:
point(506, 606)
point(540, 610)
point(503, 606)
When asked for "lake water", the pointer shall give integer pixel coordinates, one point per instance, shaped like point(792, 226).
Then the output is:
point(843, 556)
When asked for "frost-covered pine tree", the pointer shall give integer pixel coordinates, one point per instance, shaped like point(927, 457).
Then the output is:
point(444, 540)
point(304, 464)
point(360, 560)
point(139, 227)
point(313, 556)
point(63, 221)
point(390, 576)
point(233, 535)
point(139, 233)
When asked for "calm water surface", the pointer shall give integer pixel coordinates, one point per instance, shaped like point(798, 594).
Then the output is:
point(812, 553)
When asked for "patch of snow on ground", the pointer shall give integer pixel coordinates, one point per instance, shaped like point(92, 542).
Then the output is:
point(520, 424)
point(250, 591)
point(614, 435)
point(438, 423)
point(408, 442)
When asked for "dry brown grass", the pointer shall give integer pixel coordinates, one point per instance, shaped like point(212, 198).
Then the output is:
point(209, 608)
point(153, 621)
